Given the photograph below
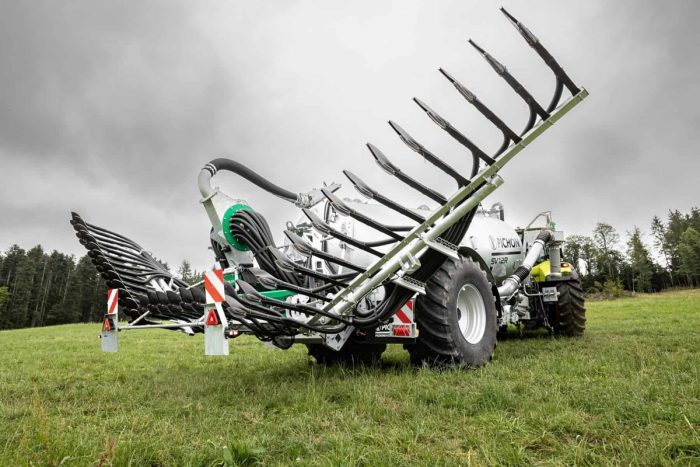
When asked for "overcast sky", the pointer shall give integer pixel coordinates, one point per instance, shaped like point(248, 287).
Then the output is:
point(110, 108)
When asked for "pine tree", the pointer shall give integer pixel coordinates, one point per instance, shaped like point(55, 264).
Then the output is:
point(689, 254)
point(59, 268)
point(641, 265)
point(694, 218)
point(87, 281)
point(9, 264)
point(38, 290)
point(8, 271)
point(676, 225)
point(62, 272)
point(185, 272)
point(658, 232)
point(23, 288)
point(98, 302)
point(4, 296)
point(78, 302)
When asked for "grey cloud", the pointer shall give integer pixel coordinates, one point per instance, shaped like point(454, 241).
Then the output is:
point(111, 108)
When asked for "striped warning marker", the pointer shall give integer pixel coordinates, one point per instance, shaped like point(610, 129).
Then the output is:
point(403, 325)
point(110, 328)
point(112, 301)
point(404, 311)
point(214, 285)
point(215, 342)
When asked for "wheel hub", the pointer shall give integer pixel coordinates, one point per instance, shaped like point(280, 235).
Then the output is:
point(471, 314)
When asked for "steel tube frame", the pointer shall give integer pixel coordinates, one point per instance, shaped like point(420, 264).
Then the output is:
point(130, 327)
point(488, 179)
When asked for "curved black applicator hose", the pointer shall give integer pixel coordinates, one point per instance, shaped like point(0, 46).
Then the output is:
point(245, 172)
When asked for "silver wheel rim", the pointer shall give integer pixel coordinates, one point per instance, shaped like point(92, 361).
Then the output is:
point(471, 314)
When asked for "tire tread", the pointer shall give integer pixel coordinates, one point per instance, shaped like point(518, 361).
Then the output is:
point(435, 344)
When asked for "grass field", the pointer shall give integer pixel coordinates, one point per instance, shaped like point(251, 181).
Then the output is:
point(627, 392)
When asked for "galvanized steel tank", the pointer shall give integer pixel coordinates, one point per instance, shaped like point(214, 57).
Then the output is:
point(496, 242)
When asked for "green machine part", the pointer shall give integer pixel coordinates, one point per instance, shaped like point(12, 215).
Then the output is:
point(226, 226)
point(280, 294)
point(240, 246)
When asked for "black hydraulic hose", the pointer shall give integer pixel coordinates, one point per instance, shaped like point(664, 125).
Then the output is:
point(251, 228)
point(262, 312)
point(324, 243)
point(219, 254)
point(545, 235)
point(263, 332)
point(431, 261)
point(245, 172)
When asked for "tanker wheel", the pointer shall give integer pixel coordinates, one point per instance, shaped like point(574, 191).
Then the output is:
point(353, 353)
point(568, 316)
point(457, 317)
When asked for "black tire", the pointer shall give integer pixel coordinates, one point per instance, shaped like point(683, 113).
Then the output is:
point(440, 341)
point(568, 316)
point(353, 353)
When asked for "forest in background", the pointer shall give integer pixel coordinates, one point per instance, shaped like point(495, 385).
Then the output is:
point(610, 265)
point(38, 288)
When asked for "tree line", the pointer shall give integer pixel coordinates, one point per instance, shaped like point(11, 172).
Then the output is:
point(39, 289)
point(610, 265)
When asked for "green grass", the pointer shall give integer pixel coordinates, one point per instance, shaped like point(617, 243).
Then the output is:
point(627, 393)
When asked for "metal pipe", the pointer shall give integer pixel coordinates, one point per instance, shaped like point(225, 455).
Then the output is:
point(511, 283)
point(554, 261)
point(133, 323)
point(204, 181)
point(162, 326)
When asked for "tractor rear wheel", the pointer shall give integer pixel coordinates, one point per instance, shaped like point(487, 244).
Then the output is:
point(568, 316)
point(353, 353)
point(456, 318)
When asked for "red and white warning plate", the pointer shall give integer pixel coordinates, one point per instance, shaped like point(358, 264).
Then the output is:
point(214, 285)
point(112, 301)
point(401, 325)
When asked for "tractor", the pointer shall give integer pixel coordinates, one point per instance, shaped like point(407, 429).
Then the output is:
point(351, 276)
